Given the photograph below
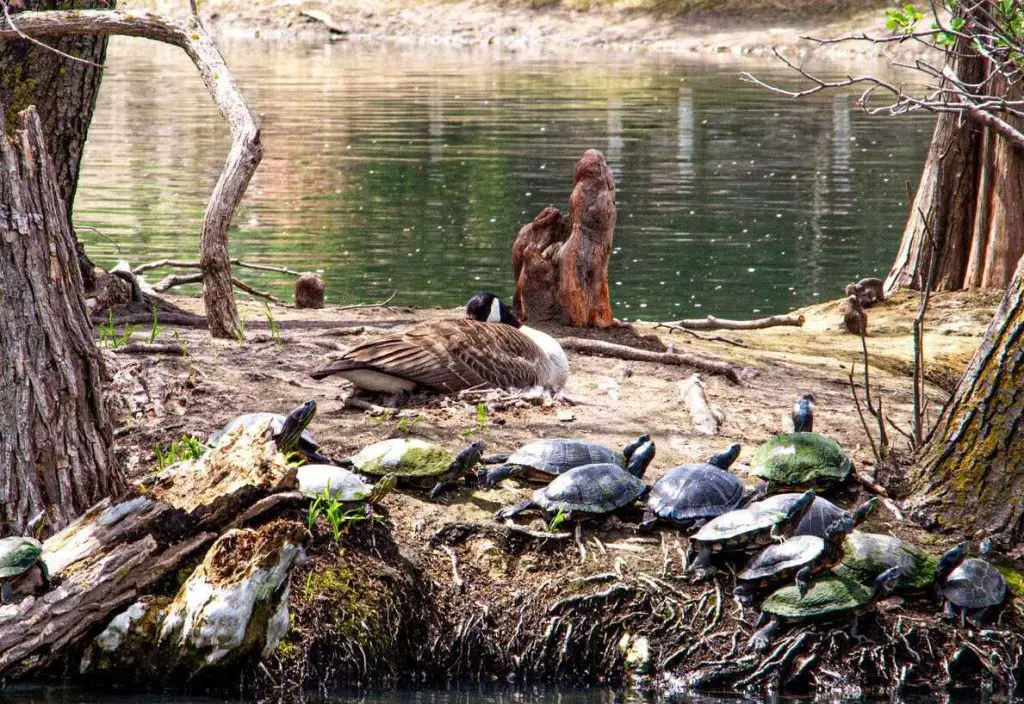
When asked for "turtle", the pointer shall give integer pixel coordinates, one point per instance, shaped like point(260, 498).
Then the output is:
point(803, 413)
point(592, 489)
point(867, 555)
point(419, 463)
point(744, 529)
point(970, 588)
point(830, 596)
point(802, 557)
point(543, 460)
point(289, 431)
point(822, 514)
point(22, 570)
point(342, 485)
point(692, 494)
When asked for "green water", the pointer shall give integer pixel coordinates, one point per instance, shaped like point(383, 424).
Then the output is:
point(411, 170)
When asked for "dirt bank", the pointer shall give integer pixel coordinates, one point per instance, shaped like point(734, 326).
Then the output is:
point(440, 591)
point(685, 28)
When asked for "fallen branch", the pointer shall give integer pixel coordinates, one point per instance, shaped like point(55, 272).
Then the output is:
point(713, 323)
point(151, 348)
point(259, 294)
point(610, 349)
point(326, 20)
point(246, 149)
point(456, 580)
point(694, 395)
point(172, 280)
point(379, 304)
point(185, 320)
point(179, 264)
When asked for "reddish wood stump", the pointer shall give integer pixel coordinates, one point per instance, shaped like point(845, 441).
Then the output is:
point(560, 263)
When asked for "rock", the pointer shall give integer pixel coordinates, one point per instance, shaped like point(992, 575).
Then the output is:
point(309, 291)
point(232, 610)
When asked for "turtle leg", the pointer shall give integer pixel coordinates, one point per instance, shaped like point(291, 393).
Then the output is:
point(442, 487)
point(776, 534)
point(492, 476)
point(510, 511)
point(384, 486)
point(314, 457)
point(647, 524)
point(762, 637)
point(947, 610)
point(697, 525)
point(6, 593)
point(701, 566)
point(494, 459)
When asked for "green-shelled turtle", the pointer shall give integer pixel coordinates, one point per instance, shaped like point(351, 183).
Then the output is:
point(867, 555)
point(22, 570)
point(418, 463)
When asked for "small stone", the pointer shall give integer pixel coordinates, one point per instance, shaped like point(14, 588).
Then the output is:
point(566, 416)
point(309, 291)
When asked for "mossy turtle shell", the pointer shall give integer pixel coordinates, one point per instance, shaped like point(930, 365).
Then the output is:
point(592, 488)
point(975, 584)
point(344, 485)
point(403, 457)
point(800, 459)
point(827, 595)
point(691, 492)
point(816, 521)
point(783, 557)
point(867, 555)
point(558, 455)
point(17, 555)
point(739, 522)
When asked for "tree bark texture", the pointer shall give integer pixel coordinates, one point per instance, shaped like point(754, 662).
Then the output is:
point(55, 436)
point(971, 190)
point(246, 147)
point(63, 91)
point(972, 476)
point(560, 264)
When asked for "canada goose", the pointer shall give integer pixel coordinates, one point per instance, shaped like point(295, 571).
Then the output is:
point(488, 348)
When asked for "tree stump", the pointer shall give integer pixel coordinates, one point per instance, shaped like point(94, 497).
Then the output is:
point(55, 436)
point(560, 263)
point(309, 291)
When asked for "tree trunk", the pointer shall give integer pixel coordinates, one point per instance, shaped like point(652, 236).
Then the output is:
point(972, 476)
point(64, 93)
point(55, 436)
point(560, 264)
point(971, 188)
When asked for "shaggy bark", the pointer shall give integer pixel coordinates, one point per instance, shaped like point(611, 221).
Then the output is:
point(560, 264)
point(971, 188)
point(972, 478)
point(64, 93)
point(55, 436)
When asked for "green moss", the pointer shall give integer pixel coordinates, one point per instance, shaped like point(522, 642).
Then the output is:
point(796, 459)
point(416, 462)
point(1014, 579)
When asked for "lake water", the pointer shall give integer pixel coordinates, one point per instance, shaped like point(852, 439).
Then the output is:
point(411, 170)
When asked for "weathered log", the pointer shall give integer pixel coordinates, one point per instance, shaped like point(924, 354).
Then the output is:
point(119, 549)
point(610, 349)
point(55, 435)
point(704, 419)
point(560, 264)
point(246, 148)
point(713, 323)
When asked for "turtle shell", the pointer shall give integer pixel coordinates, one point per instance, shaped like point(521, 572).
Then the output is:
point(254, 420)
point(828, 595)
point(18, 555)
point(781, 558)
point(739, 526)
point(692, 492)
point(592, 488)
point(553, 457)
point(821, 515)
point(801, 460)
point(867, 555)
point(403, 457)
point(975, 584)
point(344, 486)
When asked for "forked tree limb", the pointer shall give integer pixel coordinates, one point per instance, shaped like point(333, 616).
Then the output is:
point(713, 323)
point(179, 264)
point(246, 148)
point(173, 280)
point(610, 349)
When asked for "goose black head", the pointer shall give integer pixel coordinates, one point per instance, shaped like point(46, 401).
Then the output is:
point(803, 414)
point(488, 308)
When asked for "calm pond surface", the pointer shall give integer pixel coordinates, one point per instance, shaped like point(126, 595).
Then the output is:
point(411, 170)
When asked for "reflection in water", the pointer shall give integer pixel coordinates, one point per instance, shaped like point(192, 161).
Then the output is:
point(412, 169)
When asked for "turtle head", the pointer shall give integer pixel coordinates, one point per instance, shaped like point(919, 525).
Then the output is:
point(803, 413)
point(949, 560)
point(986, 547)
point(886, 582)
point(640, 459)
point(467, 459)
point(837, 530)
point(488, 308)
point(723, 460)
point(632, 447)
point(803, 580)
point(294, 424)
point(863, 510)
point(799, 509)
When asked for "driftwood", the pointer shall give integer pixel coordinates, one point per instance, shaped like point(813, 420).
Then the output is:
point(610, 349)
point(246, 148)
point(694, 394)
point(172, 280)
point(713, 323)
point(326, 20)
point(151, 348)
point(119, 549)
point(179, 264)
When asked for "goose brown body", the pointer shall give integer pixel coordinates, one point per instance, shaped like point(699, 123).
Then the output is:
point(448, 356)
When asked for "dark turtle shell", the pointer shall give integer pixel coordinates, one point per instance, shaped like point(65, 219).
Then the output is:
point(867, 555)
point(692, 492)
point(975, 584)
point(592, 488)
point(801, 460)
point(254, 420)
point(783, 560)
point(821, 515)
point(549, 458)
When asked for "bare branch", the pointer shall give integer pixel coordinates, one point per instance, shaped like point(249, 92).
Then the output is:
point(47, 47)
